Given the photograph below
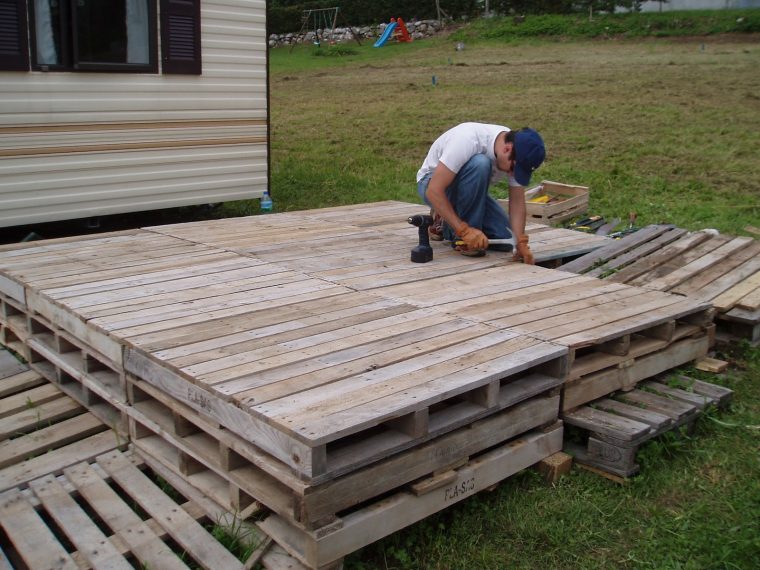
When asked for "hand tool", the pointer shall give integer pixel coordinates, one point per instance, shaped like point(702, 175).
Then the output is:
point(497, 241)
point(422, 253)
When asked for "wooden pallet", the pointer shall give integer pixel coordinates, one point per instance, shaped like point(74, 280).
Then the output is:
point(42, 430)
point(722, 270)
point(616, 427)
point(105, 515)
point(359, 364)
point(329, 398)
point(237, 474)
point(616, 335)
point(380, 518)
point(44, 433)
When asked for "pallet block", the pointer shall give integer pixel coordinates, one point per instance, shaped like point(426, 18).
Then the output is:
point(616, 427)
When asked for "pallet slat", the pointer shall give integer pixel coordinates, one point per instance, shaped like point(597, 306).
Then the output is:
point(30, 535)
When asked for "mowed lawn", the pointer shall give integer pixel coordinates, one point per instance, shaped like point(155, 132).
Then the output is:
point(666, 128)
point(669, 129)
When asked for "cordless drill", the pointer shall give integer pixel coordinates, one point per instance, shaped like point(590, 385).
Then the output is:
point(422, 253)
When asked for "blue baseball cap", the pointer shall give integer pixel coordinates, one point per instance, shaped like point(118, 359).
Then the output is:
point(529, 154)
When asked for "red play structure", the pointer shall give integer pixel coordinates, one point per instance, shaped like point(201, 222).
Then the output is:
point(401, 33)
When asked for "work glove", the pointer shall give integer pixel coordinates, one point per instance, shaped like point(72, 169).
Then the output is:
point(523, 252)
point(473, 238)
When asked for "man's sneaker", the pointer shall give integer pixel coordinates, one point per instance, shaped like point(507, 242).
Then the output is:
point(435, 230)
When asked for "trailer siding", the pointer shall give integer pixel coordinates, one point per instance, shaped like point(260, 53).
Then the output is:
point(77, 144)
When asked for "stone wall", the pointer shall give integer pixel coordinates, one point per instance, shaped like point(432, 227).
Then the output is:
point(419, 29)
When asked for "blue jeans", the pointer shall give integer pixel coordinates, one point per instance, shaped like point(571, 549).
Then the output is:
point(469, 197)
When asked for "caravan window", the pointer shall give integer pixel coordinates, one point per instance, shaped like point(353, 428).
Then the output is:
point(100, 35)
point(107, 35)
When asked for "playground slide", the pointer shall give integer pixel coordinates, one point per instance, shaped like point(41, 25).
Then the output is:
point(386, 34)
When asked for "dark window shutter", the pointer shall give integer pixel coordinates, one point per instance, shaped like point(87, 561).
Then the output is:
point(14, 46)
point(181, 36)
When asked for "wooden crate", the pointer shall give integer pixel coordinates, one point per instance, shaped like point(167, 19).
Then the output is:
point(722, 270)
point(566, 201)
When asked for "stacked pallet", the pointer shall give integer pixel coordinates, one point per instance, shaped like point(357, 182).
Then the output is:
point(346, 414)
point(301, 363)
point(722, 270)
point(616, 335)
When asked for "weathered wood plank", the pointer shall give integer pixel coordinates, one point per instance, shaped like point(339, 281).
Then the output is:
point(36, 417)
point(29, 534)
point(82, 450)
point(181, 527)
point(20, 382)
point(11, 370)
point(697, 266)
point(91, 543)
point(638, 252)
point(29, 399)
point(651, 262)
point(724, 271)
point(615, 248)
point(610, 425)
point(48, 438)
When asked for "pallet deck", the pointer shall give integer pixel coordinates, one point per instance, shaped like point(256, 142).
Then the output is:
point(287, 360)
point(721, 269)
point(616, 335)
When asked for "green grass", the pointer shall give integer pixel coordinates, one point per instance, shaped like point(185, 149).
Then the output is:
point(676, 23)
point(666, 127)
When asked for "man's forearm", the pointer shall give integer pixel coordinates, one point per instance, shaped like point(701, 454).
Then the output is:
point(517, 210)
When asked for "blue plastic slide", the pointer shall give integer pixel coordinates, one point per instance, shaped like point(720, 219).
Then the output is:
point(386, 34)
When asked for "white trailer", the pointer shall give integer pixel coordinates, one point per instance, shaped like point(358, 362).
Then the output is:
point(112, 106)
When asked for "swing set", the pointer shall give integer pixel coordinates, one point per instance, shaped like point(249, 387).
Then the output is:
point(323, 21)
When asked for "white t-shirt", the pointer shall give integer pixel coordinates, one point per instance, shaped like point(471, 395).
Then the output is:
point(459, 144)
